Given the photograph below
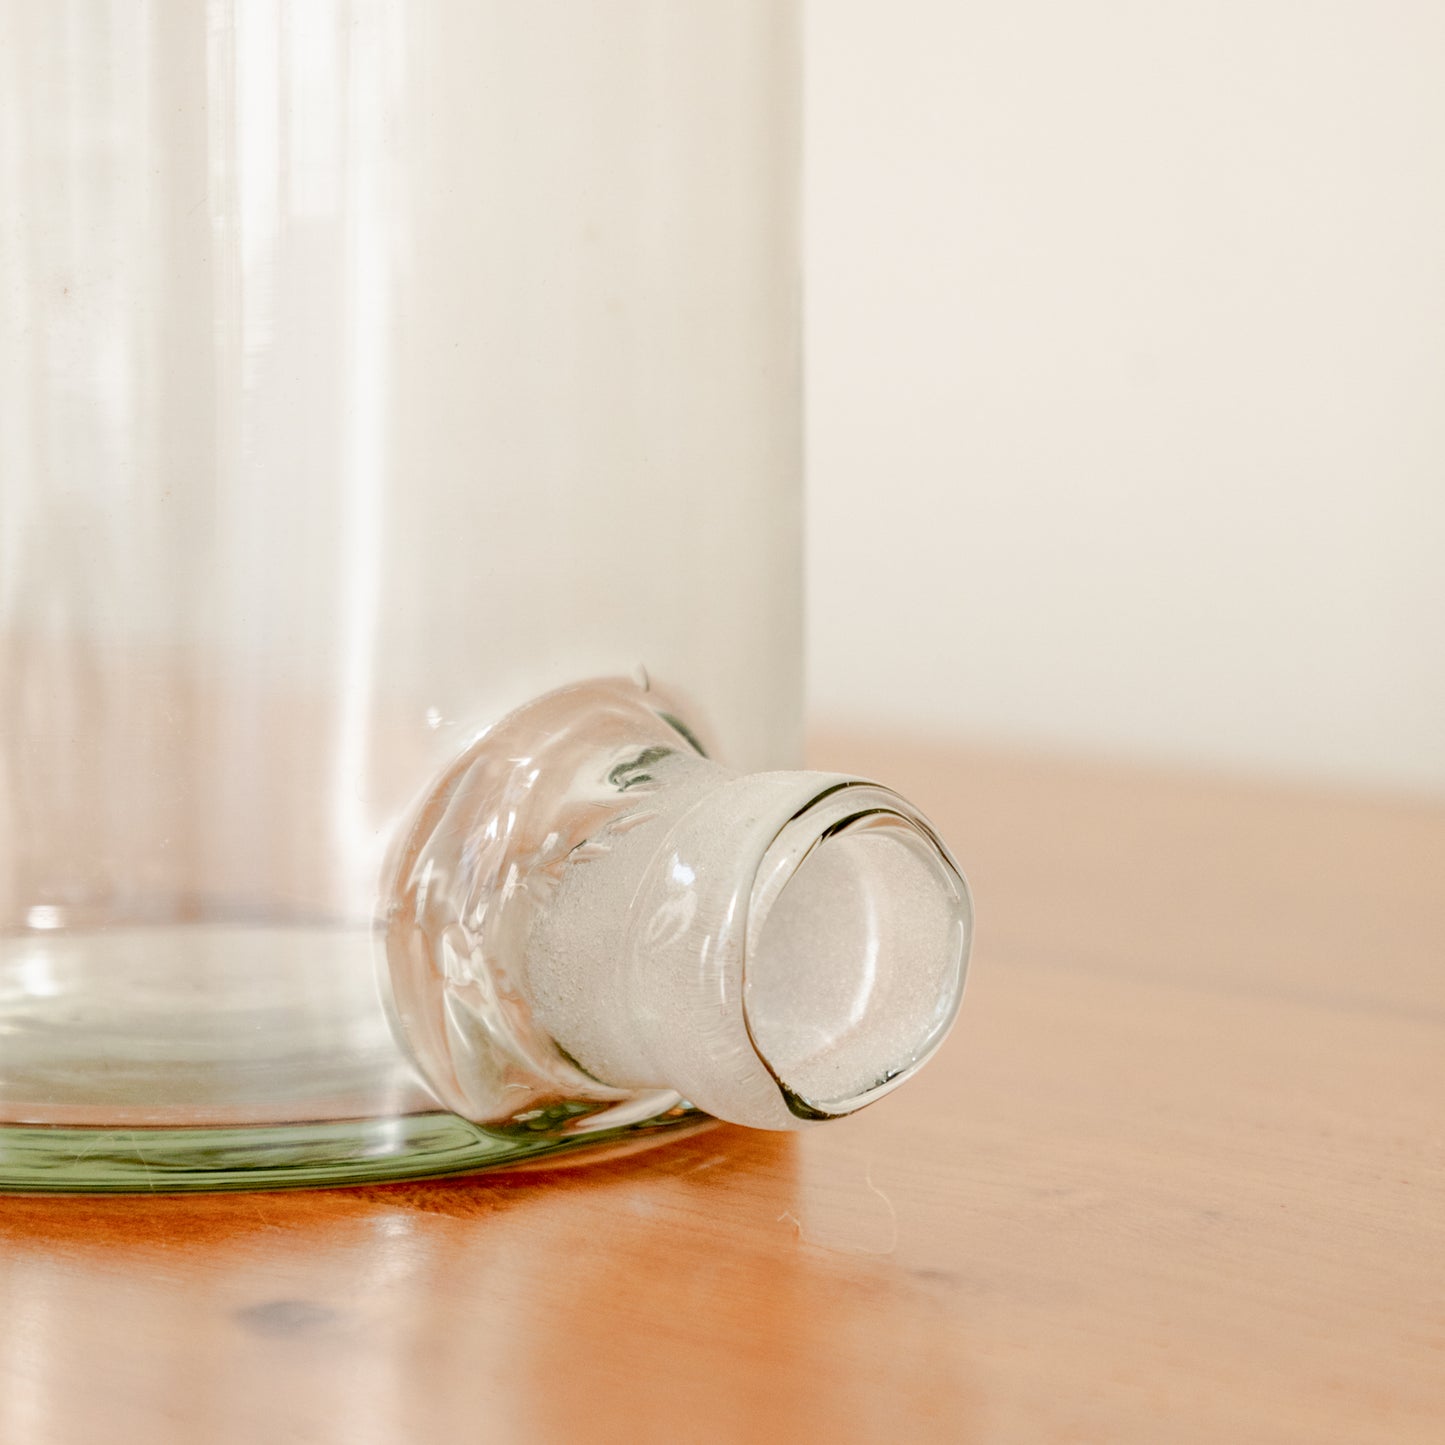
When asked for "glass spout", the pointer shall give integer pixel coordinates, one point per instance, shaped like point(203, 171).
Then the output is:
point(591, 914)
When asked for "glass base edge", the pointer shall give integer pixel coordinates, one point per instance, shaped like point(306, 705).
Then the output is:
point(43, 1159)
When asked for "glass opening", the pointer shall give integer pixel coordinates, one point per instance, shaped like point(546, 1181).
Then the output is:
point(855, 970)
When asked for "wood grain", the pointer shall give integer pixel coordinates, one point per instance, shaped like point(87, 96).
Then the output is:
point(1179, 1175)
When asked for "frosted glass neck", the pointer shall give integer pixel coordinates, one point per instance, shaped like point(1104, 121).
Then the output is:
point(772, 947)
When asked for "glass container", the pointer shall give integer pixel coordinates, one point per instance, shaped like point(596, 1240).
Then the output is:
point(399, 600)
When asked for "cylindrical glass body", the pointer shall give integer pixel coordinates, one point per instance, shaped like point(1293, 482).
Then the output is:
point(366, 368)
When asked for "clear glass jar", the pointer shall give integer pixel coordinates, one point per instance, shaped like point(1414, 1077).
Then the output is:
point(370, 371)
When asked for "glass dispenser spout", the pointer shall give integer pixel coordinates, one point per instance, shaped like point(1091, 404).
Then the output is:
point(590, 915)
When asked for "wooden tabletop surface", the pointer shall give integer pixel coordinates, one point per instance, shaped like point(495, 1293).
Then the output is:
point(1178, 1175)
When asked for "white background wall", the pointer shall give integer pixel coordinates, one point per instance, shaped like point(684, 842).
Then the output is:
point(1126, 337)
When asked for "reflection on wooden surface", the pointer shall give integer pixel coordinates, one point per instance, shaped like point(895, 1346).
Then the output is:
point(1177, 1176)
point(668, 1287)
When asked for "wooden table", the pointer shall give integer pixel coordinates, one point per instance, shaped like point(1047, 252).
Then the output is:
point(1177, 1176)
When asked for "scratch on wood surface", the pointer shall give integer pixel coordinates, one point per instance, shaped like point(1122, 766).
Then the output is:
point(889, 1248)
point(892, 1212)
